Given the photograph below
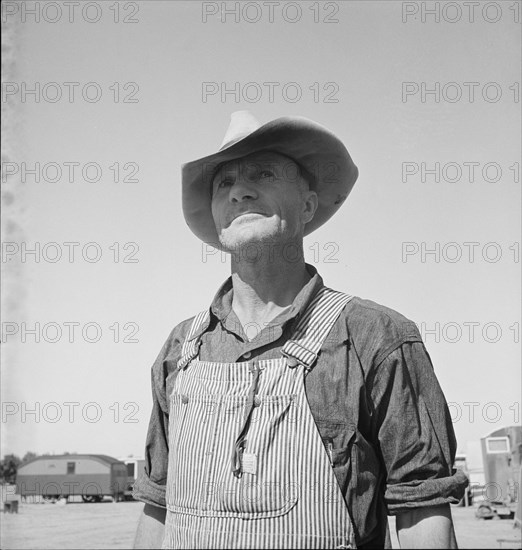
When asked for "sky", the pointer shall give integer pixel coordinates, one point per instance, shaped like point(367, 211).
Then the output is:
point(427, 103)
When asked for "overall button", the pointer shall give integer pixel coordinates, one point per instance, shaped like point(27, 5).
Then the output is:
point(257, 401)
point(184, 399)
point(292, 362)
point(247, 355)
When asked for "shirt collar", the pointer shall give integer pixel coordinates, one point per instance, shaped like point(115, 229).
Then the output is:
point(222, 303)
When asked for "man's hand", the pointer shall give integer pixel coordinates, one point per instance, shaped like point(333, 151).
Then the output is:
point(151, 527)
point(430, 527)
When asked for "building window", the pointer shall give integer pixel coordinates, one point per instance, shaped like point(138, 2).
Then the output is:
point(71, 467)
point(497, 445)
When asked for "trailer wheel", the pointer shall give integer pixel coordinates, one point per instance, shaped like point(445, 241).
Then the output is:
point(91, 498)
point(484, 511)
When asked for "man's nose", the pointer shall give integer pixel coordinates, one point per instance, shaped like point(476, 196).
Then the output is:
point(243, 189)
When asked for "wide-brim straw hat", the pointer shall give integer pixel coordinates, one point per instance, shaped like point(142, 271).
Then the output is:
point(326, 162)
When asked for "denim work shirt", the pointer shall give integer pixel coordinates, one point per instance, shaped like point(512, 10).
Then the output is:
point(373, 395)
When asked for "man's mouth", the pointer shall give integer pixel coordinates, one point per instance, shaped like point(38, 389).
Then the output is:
point(247, 213)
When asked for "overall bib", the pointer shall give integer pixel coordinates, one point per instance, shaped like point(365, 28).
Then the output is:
point(247, 465)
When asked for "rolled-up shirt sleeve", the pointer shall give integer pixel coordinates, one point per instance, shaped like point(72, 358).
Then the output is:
point(150, 485)
point(415, 432)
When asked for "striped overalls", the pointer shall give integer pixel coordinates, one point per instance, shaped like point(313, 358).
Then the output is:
point(247, 466)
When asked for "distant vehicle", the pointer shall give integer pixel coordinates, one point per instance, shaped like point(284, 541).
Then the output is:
point(60, 476)
point(135, 466)
point(502, 454)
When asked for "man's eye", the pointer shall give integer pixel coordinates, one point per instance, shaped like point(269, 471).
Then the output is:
point(266, 174)
point(224, 183)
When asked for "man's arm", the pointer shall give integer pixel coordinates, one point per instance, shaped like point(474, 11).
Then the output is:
point(429, 527)
point(151, 527)
point(417, 444)
point(150, 486)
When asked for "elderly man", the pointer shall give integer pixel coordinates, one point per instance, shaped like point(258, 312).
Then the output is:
point(308, 430)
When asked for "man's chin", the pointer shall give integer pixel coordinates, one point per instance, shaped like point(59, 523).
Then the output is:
point(234, 241)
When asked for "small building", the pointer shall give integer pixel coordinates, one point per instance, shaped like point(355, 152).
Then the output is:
point(90, 476)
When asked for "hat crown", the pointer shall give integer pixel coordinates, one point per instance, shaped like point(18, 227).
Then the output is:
point(242, 124)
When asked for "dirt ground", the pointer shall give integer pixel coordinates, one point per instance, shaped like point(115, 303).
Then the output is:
point(112, 525)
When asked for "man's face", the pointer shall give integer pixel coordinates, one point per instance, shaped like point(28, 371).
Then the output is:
point(260, 198)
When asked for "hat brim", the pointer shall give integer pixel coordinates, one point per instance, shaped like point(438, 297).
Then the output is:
point(321, 153)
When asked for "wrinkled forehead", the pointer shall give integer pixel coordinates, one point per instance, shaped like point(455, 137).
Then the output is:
point(257, 161)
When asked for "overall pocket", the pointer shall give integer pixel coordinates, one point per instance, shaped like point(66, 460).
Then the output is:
point(190, 432)
point(266, 487)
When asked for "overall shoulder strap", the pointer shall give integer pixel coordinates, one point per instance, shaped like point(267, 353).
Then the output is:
point(315, 324)
point(190, 348)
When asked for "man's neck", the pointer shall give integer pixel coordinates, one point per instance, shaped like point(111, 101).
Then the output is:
point(266, 287)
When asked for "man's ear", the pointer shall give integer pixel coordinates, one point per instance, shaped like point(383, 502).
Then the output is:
point(310, 204)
